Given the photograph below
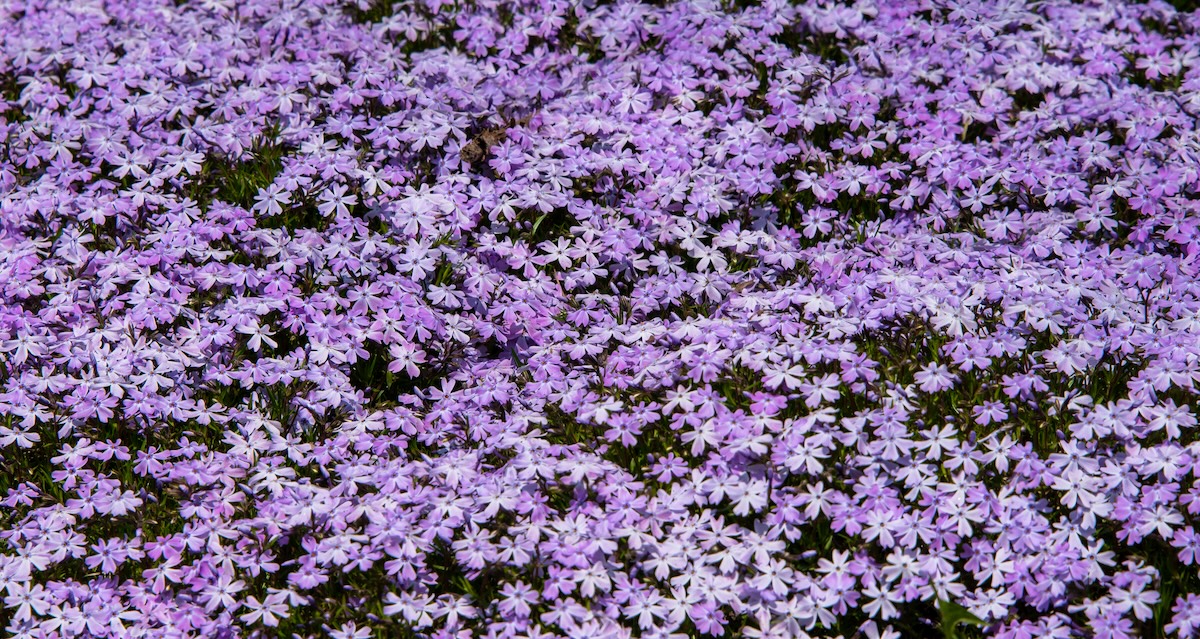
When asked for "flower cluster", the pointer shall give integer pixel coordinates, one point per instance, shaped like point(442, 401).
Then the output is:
point(566, 318)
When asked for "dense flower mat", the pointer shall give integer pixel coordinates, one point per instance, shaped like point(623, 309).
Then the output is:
point(530, 319)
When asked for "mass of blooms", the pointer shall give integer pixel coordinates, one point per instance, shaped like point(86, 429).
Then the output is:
point(565, 318)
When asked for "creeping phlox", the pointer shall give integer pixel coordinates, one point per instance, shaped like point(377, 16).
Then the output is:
point(565, 318)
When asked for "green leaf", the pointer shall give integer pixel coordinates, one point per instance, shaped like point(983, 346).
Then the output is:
point(953, 615)
point(538, 223)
